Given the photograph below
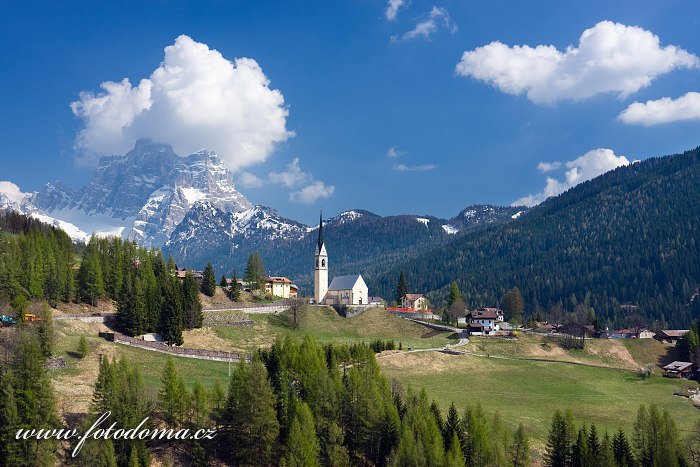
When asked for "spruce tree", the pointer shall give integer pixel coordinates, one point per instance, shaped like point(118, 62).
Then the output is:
point(235, 290)
point(83, 348)
point(401, 288)
point(255, 272)
point(171, 319)
point(209, 281)
point(455, 294)
point(191, 303)
point(453, 426)
point(622, 450)
point(90, 281)
point(45, 330)
point(223, 283)
point(558, 442)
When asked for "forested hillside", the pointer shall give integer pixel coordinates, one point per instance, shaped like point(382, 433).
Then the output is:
point(630, 235)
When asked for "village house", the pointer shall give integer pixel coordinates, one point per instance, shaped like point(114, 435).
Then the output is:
point(181, 273)
point(670, 336)
point(278, 286)
point(679, 370)
point(485, 321)
point(293, 291)
point(414, 301)
point(632, 334)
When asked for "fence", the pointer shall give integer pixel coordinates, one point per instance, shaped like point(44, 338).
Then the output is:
point(178, 351)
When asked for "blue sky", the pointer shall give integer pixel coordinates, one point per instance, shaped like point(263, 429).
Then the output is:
point(366, 106)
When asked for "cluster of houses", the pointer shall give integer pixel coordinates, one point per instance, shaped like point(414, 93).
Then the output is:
point(276, 286)
point(667, 336)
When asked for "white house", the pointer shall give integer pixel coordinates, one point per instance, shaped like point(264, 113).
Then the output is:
point(278, 286)
point(347, 290)
point(485, 321)
point(414, 301)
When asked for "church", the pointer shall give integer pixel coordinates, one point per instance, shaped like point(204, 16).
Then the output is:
point(344, 290)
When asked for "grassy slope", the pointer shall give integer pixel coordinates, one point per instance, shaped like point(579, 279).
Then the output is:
point(75, 383)
point(325, 325)
point(602, 389)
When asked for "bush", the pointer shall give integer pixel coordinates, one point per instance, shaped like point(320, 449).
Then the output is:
point(646, 371)
point(258, 295)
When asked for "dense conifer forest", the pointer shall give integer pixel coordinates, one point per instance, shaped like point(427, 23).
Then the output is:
point(629, 236)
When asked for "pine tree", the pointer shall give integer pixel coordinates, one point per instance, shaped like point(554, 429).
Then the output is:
point(303, 448)
point(223, 283)
point(209, 281)
point(401, 288)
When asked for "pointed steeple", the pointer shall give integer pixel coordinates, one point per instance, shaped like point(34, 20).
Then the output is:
point(320, 233)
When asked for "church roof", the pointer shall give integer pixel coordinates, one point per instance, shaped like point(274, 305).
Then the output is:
point(320, 233)
point(344, 282)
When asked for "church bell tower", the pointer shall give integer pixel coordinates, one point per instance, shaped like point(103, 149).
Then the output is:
point(321, 266)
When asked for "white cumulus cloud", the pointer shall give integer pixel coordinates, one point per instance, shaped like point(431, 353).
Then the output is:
point(586, 167)
point(291, 177)
point(11, 192)
point(249, 180)
point(312, 192)
point(394, 152)
point(548, 166)
point(196, 98)
point(392, 8)
point(610, 58)
point(665, 110)
point(438, 19)
point(413, 168)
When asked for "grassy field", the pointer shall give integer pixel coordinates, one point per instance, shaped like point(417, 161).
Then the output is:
point(530, 392)
point(325, 325)
point(75, 383)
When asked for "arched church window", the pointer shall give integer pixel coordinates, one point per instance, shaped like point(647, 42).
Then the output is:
point(316, 262)
point(323, 263)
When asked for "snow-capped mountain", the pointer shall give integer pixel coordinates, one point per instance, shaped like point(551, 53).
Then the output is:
point(190, 208)
point(143, 195)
